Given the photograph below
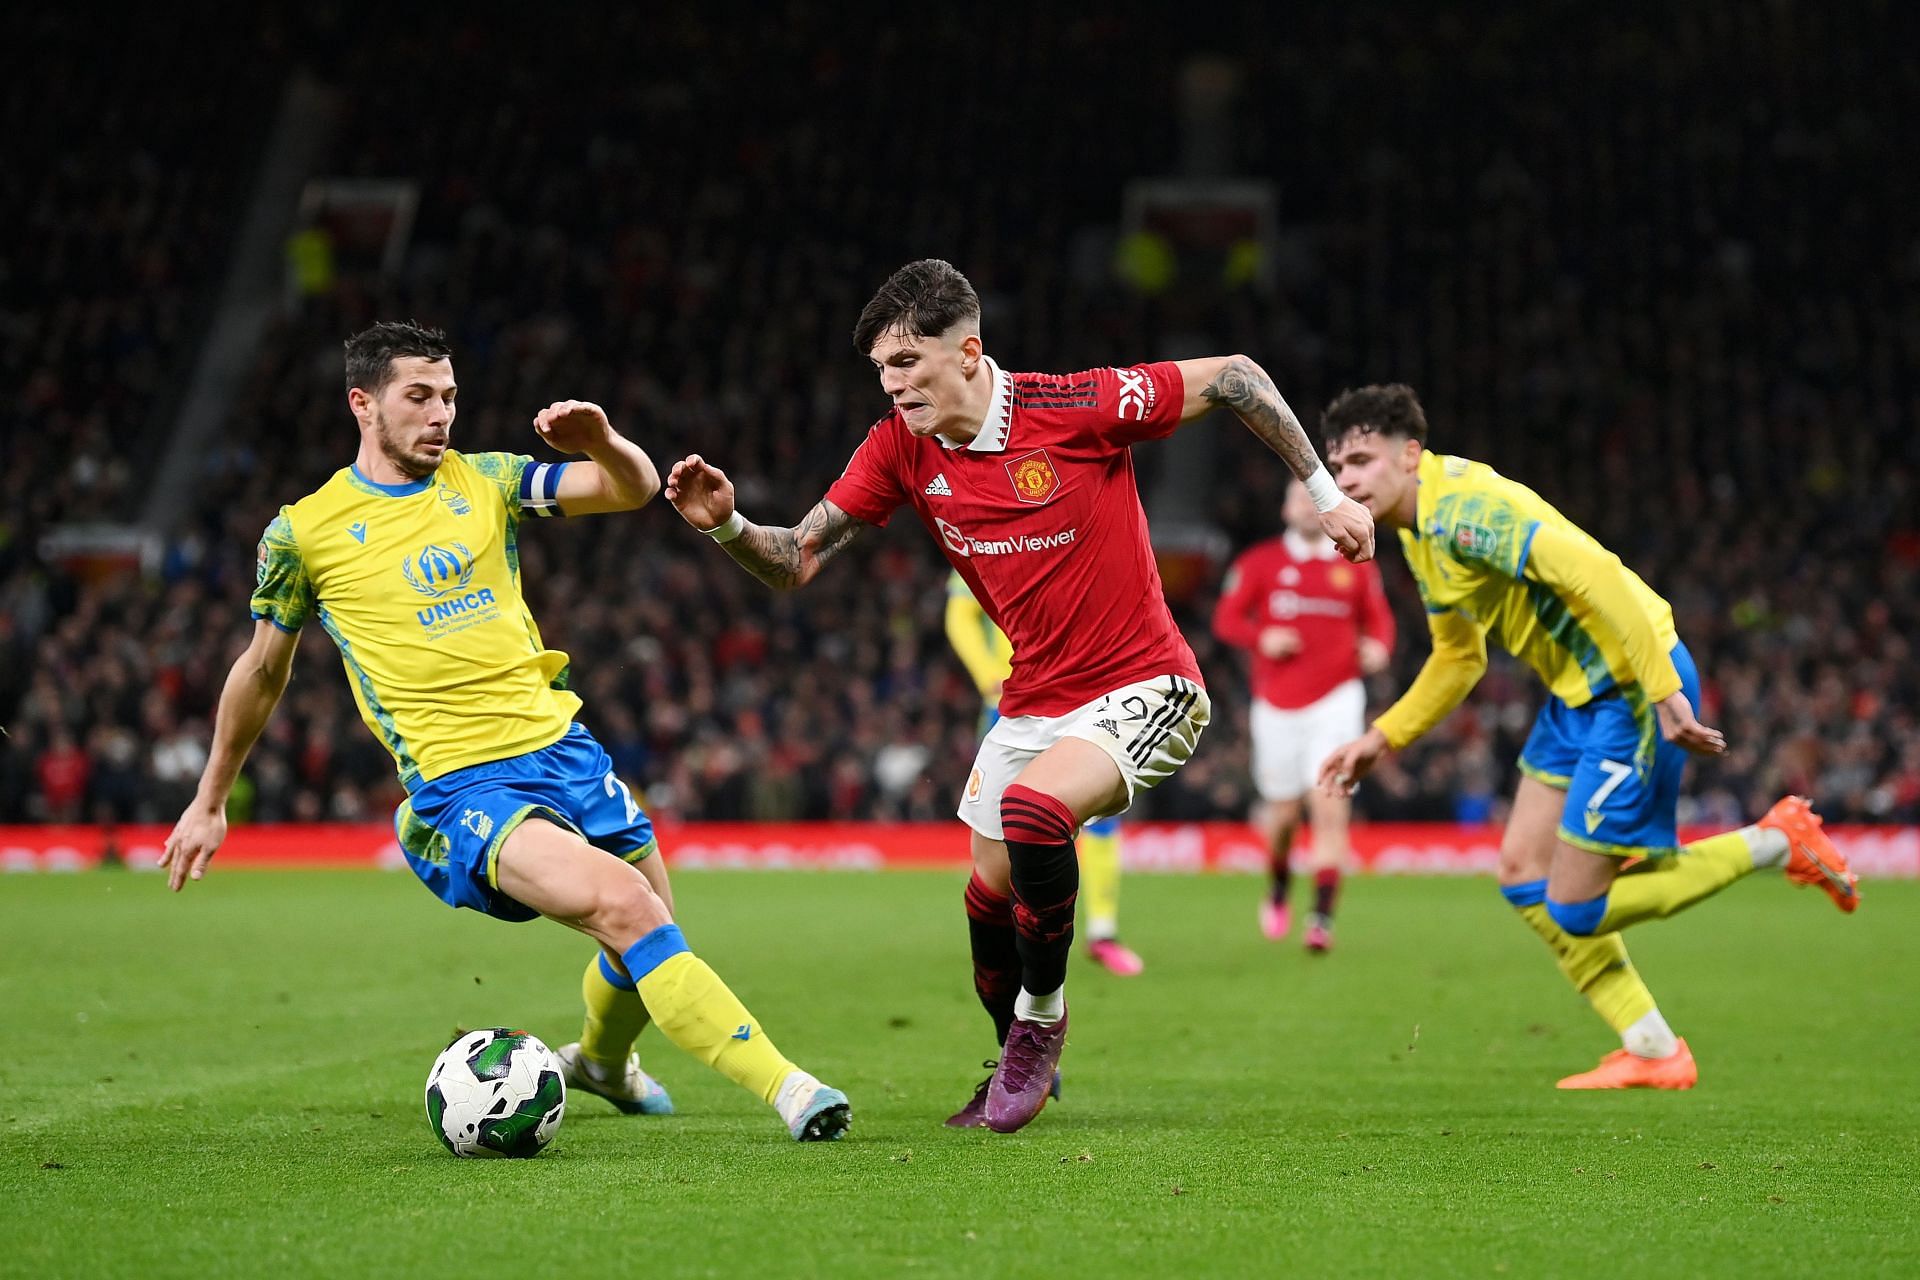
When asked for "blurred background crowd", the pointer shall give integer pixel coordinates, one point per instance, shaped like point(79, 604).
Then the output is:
point(1663, 270)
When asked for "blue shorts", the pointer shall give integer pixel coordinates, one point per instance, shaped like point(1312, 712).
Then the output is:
point(1621, 777)
point(451, 829)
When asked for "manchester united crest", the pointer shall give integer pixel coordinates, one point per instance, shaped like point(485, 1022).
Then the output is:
point(1339, 577)
point(1034, 479)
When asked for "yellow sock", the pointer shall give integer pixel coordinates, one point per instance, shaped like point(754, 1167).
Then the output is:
point(1100, 882)
point(694, 1009)
point(615, 1017)
point(1657, 888)
point(1598, 968)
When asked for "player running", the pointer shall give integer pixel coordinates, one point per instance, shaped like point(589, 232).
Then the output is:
point(1026, 480)
point(409, 559)
point(988, 656)
point(1314, 626)
point(1590, 847)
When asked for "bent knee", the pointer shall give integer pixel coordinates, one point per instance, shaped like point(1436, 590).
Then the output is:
point(1581, 919)
point(627, 908)
point(1521, 861)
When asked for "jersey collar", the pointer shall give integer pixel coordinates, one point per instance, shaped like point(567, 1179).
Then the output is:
point(1427, 482)
point(1302, 548)
point(993, 432)
point(390, 490)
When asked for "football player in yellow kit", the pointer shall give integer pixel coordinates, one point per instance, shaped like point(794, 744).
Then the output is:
point(409, 559)
point(1602, 766)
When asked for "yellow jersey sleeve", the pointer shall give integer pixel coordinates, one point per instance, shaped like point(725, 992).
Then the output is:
point(1492, 550)
point(1458, 660)
point(282, 592)
point(1582, 569)
point(982, 647)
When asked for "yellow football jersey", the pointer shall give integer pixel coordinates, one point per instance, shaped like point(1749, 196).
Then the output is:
point(1493, 558)
point(984, 649)
point(419, 586)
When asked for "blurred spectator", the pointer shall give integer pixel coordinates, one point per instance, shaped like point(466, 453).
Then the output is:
point(1585, 238)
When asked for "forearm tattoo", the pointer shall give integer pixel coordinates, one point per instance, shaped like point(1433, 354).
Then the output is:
point(1245, 388)
point(786, 558)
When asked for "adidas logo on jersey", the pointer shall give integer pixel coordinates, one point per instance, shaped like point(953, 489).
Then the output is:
point(939, 488)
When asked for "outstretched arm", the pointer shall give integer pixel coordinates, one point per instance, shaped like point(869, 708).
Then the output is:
point(620, 475)
point(252, 691)
point(1237, 383)
point(1458, 660)
point(781, 558)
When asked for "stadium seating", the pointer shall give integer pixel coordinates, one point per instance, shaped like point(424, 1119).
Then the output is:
point(1574, 274)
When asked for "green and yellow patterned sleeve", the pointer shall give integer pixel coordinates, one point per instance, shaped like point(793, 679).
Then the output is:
point(503, 470)
point(282, 592)
point(1486, 531)
point(527, 487)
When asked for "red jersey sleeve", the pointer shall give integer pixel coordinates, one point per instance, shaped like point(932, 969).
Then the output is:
point(1139, 403)
point(1232, 619)
point(1376, 618)
point(870, 488)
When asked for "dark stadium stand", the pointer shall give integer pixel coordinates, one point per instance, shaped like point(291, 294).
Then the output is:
point(1686, 317)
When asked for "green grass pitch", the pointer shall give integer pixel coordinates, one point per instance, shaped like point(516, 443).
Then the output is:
point(229, 1084)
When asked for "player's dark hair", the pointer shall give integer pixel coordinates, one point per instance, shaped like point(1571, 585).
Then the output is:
point(923, 299)
point(1389, 410)
point(372, 351)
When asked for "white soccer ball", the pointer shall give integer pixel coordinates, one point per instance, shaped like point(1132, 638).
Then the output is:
point(496, 1092)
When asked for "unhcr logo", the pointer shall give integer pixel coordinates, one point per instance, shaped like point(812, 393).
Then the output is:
point(437, 571)
point(444, 575)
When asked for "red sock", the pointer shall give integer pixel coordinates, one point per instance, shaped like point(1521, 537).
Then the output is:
point(1046, 883)
point(996, 955)
point(1326, 887)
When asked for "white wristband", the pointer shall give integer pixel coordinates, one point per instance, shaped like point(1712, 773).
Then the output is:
point(1325, 493)
point(729, 531)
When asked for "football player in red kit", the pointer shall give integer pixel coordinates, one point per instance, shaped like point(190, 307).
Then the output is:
point(1026, 481)
point(1314, 625)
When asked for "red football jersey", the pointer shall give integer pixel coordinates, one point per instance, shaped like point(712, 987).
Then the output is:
point(1309, 587)
point(1040, 514)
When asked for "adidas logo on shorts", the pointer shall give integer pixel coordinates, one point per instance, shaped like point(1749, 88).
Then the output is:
point(939, 487)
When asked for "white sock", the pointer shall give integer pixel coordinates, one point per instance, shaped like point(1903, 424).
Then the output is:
point(796, 1091)
point(1650, 1037)
point(1102, 929)
point(1767, 844)
point(1045, 1010)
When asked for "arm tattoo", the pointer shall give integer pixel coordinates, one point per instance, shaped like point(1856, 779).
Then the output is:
point(1245, 388)
point(786, 558)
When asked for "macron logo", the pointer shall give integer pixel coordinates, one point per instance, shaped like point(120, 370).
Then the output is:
point(359, 530)
point(939, 488)
point(743, 1032)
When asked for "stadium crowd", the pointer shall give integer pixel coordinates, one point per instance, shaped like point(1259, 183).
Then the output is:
point(1626, 296)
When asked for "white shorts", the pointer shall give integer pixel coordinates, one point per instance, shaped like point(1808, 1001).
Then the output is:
point(1148, 728)
point(1289, 746)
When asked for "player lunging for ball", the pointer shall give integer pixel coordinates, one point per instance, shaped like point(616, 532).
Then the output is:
point(409, 559)
point(1026, 480)
point(1590, 847)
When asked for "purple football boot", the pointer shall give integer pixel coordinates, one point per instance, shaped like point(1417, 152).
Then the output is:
point(974, 1114)
point(1024, 1078)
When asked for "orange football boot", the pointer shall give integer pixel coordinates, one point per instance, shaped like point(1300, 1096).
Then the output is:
point(1621, 1070)
point(1811, 857)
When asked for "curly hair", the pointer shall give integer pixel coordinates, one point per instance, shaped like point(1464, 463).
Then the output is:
point(1391, 409)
